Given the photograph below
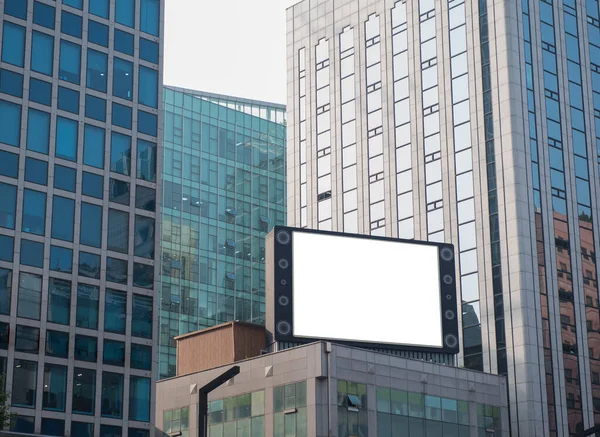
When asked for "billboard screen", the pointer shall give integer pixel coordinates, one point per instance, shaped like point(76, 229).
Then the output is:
point(364, 290)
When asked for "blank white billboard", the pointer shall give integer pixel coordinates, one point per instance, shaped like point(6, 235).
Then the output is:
point(366, 290)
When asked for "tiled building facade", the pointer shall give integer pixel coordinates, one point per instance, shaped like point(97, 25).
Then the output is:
point(80, 153)
point(475, 123)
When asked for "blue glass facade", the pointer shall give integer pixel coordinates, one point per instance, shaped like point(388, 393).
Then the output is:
point(77, 301)
point(223, 190)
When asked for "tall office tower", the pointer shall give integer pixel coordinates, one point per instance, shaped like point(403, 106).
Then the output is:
point(475, 123)
point(223, 190)
point(80, 131)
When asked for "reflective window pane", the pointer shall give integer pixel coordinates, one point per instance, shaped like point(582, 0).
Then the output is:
point(116, 270)
point(59, 301)
point(36, 171)
point(119, 191)
point(124, 42)
point(114, 353)
point(65, 178)
point(11, 83)
point(120, 153)
point(141, 322)
point(122, 115)
point(10, 123)
point(91, 230)
point(118, 231)
point(87, 306)
point(24, 384)
point(150, 16)
point(70, 62)
point(8, 194)
point(144, 237)
point(145, 198)
point(89, 265)
point(139, 399)
point(146, 160)
point(84, 390)
point(61, 259)
point(115, 311)
point(55, 388)
point(57, 344)
point(125, 12)
point(112, 395)
point(95, 108)
point(27, 339)
point(43, 15)
point(67, 131)
point(148, 87)
point(34, 212)
point(32, 253)
point(86, 348)
point(40, 92)
point(97, 33)
point(92, 185)
point(123, 79)
point(93, 146)
point(38, 131)
point(141, 357)
point(71, 24)
point(13, 44)
point(30, 296)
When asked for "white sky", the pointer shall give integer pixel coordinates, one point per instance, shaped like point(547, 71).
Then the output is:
point(233, 47)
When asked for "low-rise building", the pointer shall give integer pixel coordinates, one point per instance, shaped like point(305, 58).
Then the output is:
point(328, 390)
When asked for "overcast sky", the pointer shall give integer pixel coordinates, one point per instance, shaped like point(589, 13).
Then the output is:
point(233, 47)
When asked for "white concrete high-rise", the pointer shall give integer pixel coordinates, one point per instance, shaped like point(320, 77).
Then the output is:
point(475, 123)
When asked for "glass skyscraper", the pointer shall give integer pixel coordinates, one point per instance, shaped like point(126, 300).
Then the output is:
point(475, 122)
point(223, 190)
point(80, 130)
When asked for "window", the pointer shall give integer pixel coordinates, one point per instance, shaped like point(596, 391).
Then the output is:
point(27, 339)
point(9, 165)
point(115, 311)
point(24, 384)
point(114, 353)
point(65, 178)
point(100, 8)
point(97, 33)
point(112, 395)
point(63, 213)
point(123, 79)
point(16, 8)
point(61, 259)
point(147, 123)
point(144, 237)
point(91, 221)
point(11, 83)
point(13, 44)
point(40, 92)
point(32, 253)
point(30, 296)
point(53, 427)
point(119, 191)
point(89, 265)
point(42, 53)
point(149, 50)
point(93, 146)
point(143, 276)
point(55, 388)
point(86, 348)
point(146, 160)
point(68, 100)
point(5, 290)
point(38, 131)
point(92, 185)
point(141, 321)
point(87, 306)
point(139, 399)
point(23, 424)
point(10, 123)
point(84, 391)
point(141, 357)
point(66, 138)
point(123, 42)
point(150, 16)
point(59, 301)
point(71, 24)
point(120, 153)
point(43, 15)
point(110, 431)
point(178, 420)
point(125, 12)
point(118, 231)
point(36, 171)
point(82, 429)
point(70, 62)
point(8, 194)
point(96, 70)
point(57, 344)
point(78, 4)
point(4, 340)
point(63, 218)
point(148, 87)
point(34, 212)
point(95, 108)
point(6, 249)
point(145, 198)
point(136, 432)
point(121, 115)
point(116, 270)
